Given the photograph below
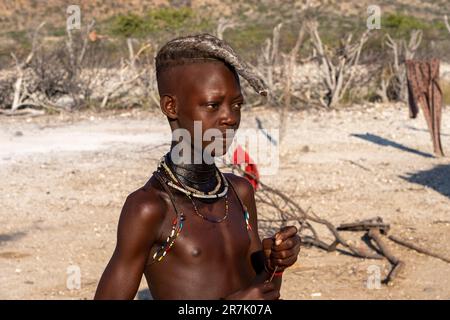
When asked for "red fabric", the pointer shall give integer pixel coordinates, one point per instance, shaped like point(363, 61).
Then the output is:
point(240, 156)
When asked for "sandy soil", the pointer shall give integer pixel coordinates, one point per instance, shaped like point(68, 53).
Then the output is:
point(64, 179)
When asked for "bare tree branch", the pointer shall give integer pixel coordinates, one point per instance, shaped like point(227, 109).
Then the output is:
point(337, 69)
point(446, 23)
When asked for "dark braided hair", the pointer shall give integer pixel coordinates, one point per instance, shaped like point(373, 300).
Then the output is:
point(201, 48)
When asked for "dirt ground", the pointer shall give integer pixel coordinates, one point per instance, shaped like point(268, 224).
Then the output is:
point(64, 179)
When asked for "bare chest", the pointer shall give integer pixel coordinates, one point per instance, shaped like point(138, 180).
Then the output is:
point(201, 239)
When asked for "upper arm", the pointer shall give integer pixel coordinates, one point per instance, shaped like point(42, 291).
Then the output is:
point(246, 192)
point(138, 228)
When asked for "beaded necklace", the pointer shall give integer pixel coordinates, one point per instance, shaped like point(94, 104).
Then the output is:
point(214, 191)
point(189, 195)
point(177, 184)
point(176, 229)
point(177, 224)
point(178, 221)
point(209, 219)
point(247, 218)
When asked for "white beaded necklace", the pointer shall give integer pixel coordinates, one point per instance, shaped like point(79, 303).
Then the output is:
point(197, 193)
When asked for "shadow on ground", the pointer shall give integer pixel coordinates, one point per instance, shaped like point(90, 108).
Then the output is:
point(389, 143)
point(8, 237)
point(437, 178)
point(424, 130)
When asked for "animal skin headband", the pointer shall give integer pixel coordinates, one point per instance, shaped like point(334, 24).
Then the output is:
point(214, 48)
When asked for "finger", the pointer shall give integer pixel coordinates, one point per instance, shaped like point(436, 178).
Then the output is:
point(282, 254)
point(285, 233)
point(286, 262)
point(285, 257)
point(286, 253)
point(287, 244)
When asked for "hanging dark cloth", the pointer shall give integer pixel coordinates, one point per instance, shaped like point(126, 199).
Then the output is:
point(424, 90)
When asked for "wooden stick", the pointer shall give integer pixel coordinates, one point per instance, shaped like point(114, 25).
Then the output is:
point(273, 274)
point(376, 236)
point(394, 272)
point(397, 265)
point(365, 225)
point(21, 112)
point(418, 249)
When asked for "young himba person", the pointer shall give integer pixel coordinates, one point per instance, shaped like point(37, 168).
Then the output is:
point(193, 230)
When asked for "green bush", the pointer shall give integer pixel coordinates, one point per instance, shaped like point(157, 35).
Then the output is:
point(158, 21)
point(402, 22)
point(128, 25)
point(21, 37)
point(401, 25)
point(168, 18)
point(248, 40)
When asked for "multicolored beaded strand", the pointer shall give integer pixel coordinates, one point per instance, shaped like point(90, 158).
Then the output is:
point(247, 218)
point(162, 251)
point(209, 219)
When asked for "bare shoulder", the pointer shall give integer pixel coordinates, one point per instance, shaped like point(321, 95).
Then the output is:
point(243, 187)
point(145, 205)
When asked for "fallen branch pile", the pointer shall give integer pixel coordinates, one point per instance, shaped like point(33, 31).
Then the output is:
point(78, 73)
point(286, 211)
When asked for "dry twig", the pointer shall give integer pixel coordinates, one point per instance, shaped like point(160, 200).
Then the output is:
point(397, 265)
